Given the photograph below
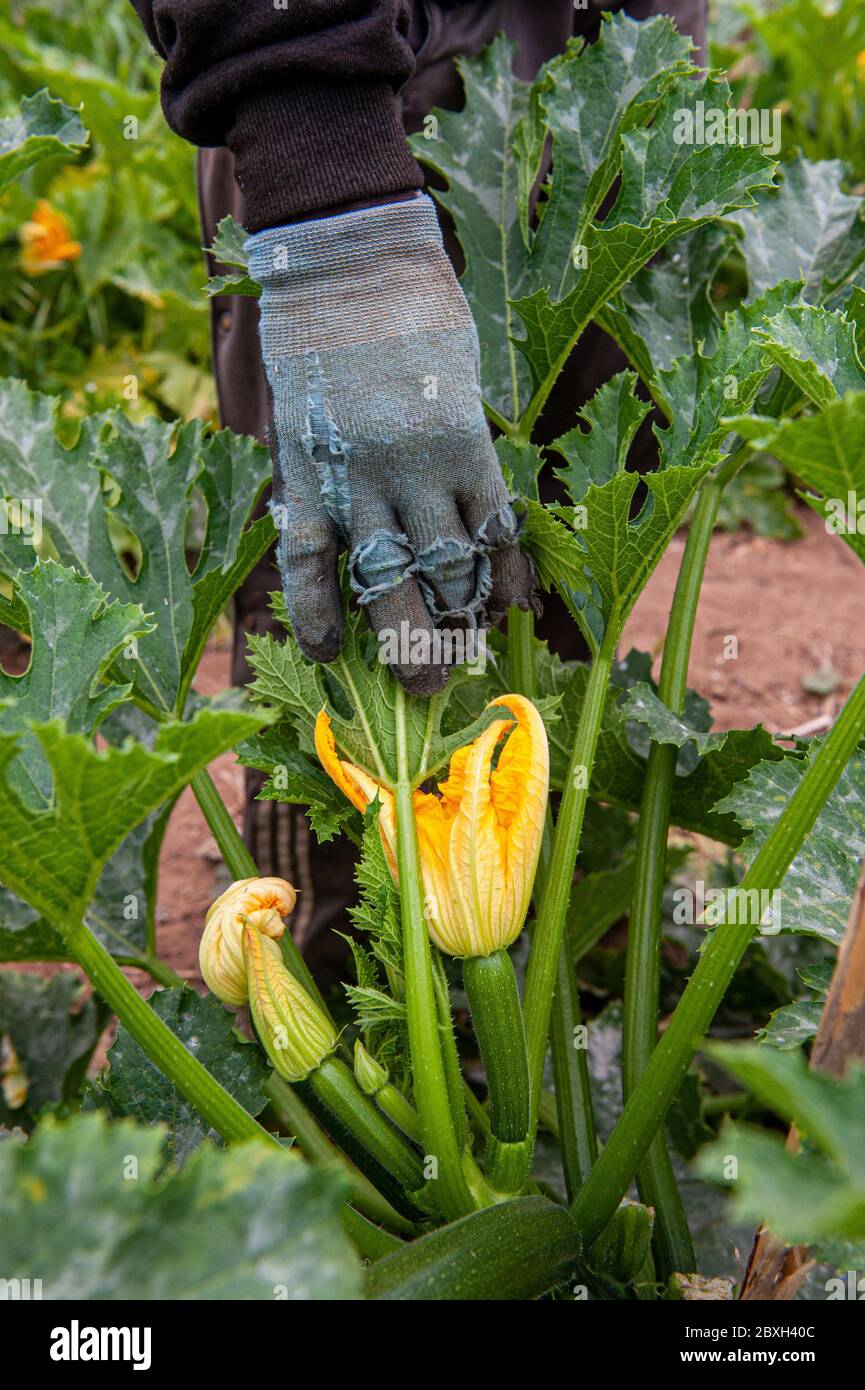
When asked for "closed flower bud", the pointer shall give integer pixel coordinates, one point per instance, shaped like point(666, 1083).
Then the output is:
point(291, 1027)
point(370, 1075)
point(261, 903)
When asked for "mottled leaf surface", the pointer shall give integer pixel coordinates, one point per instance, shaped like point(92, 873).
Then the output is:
point(43, 128)
point(86, 1205)
point(817, 890)
point(131, 1085)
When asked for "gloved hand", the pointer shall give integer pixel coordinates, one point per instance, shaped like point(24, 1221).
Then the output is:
point(378, 435)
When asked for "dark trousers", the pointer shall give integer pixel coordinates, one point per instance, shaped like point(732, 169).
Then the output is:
point(278, 835)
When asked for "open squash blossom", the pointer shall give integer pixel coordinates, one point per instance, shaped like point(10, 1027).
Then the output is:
point(45, 241)
point(262, 903)
point(479, 836)
point(294, 1032)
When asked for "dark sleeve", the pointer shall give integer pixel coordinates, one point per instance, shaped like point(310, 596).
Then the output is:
point(301, 92)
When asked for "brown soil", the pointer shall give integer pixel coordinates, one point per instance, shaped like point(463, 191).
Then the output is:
point(795, 611)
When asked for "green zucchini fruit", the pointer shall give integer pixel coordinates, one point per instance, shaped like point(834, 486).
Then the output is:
point(515, 1250)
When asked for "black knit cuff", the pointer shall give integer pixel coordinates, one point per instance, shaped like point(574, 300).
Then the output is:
point(309, 146)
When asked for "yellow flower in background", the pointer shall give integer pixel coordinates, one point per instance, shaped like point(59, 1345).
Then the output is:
point(294, 1032)
point(479, 836)
point(14, 1081)
point(261, 903)
point(45, 241)
point(860, 65)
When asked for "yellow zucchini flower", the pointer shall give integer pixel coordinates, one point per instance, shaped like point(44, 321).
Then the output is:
point(479, 836)
point(294, 1032)
point(261, 903)
point(45, 241)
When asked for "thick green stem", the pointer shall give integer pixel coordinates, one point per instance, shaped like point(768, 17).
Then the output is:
point(393, 1103)
point(430, 1083)
point(450, 1055)
point(158, 971)
point(575, 1120)
point(221, 1111)
point(372, 1242)
point(578, 1144)
point(656, 1180)
point(491, 988)
point(645, 1110)
point(240, 864)
point(315, 1145)
point(478, 1114)
point(549, 928)
point(521, 652)
point(362, 1132)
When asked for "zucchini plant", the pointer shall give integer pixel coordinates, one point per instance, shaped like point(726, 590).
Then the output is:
point(503, 825)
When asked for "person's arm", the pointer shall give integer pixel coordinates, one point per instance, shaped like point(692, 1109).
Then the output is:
point(302, 93)
point(378, 436)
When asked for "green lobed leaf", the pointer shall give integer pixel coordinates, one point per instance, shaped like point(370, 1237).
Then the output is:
point(817, 350)
point(813, 1197)
point(77, 635)
point(132, 1086)
point(602, 567)
point(229, 244)
point(642, 704)
point(805, 229)
point(827, 451)
point(603, 107)
point(819, 885)
point(473, 151)
point(244, 1223)
point(521, 464)
point(797, 1023)
point(619, 770)
point(597, 453)
point(43, 129)
point(232, 284)
point(229, 249)
point(667, 189)
point(666, 311)
point(296, 777)
point(131, 536)
point(53, 858)
point(360, 697)
point(590, 97)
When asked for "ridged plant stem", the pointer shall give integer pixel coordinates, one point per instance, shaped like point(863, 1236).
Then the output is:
point(549, 929)
point(656, 1180)
point(573, 1099)
point(428, 1069)
point(644, 1112)
point(221, 1111)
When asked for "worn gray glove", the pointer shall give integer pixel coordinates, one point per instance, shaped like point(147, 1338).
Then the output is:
point(379, 438)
